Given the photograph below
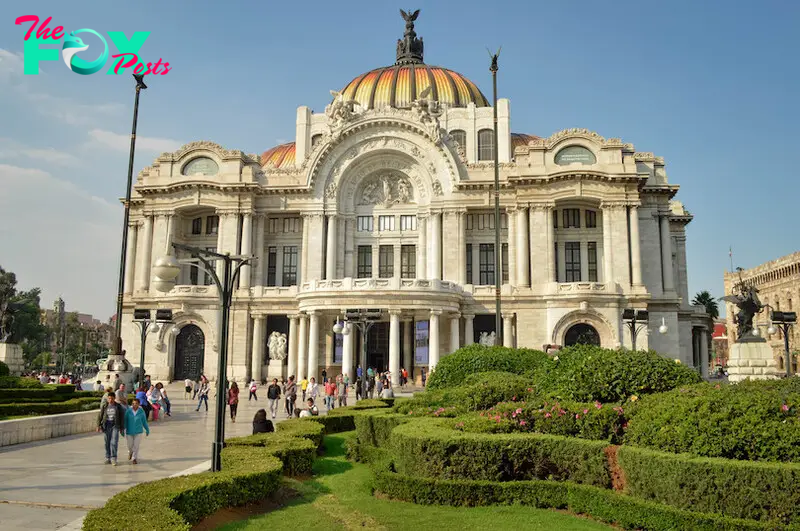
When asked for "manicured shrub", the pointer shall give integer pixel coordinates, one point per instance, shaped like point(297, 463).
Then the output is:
point(63, 388)
point(296, 454)
point(367, 403)
point(24, 393)
point(373, 428)
point(16, 382)
point(740, 489)
point(4, 370)
point(587, 373)
point(312, 431)
point(748, 421)
point(334, 423)
point(454, 368)
point(428, 448)
point(555, 417)
point(49, 408)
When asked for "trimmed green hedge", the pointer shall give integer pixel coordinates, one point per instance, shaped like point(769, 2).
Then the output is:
point(174, 504)
point(21, 394)
point(374, 428)
point(62, 388)
point(606, 505)
point(333, 423)
point(4, 370)
point(18, 382)
point(49, 408)
point(758, 491)
point(454, 368)
point(426, 448)
point(312, 431)
point(296, 454)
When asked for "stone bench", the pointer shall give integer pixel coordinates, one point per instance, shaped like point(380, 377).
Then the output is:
point(18, 431)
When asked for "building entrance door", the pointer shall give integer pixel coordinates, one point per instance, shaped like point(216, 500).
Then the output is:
point(190, 346)
point(377, 348)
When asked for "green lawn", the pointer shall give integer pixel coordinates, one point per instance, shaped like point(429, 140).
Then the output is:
point(339, 497)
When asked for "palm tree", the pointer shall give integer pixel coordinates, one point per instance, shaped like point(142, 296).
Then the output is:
point(705, 299)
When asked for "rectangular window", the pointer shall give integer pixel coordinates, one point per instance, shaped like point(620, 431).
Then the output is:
point(572, 218)
point(385, 223)
point(364, 223)
point(289, 265)
point(212, 224)
point(272, 266)
point(386, 261)
point(364, 261)
point(470, 221)
point(272, 225)
point(408, 261)
point(591, 258)
point(197, 226)
point(469, 263)
point(194, 275)
point(482, 222)
point(504, 258)
point(591, 219)
point(503, 221)
point(555, 254)
point(207, 278)
point(555, 219)
point(408, 222)
point(291, 224)
point(572, 261)
point(486, 264)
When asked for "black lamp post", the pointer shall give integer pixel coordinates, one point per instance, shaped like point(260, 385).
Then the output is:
point(363, 320)
point(637, 320)
point(147, 324)
point(117, 348)
point(166, 270)
point(784, 320)
point(498, 271)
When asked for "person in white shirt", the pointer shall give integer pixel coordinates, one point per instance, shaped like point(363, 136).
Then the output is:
point(188, 385)
point(44, 379)
point(311, 411)
point(253, 389)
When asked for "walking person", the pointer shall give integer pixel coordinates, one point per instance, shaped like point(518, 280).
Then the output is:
point(188, 386)
point(203, 395)
point(424, 376)
point(122, 395)
point(304, 387)
point(253, 389)
point(135, 424)
point(341, 388)
point(313, 389)
point(358, 389)
point(111, 421)
point(291, 395)
point(141, 394)
point(324, 376)
point(273, 395)
point(165, 398)
point(233, 400)
point(330, 393)
point(195, 389)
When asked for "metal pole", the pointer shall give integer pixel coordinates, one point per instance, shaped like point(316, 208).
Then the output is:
point(785, 327)
point(498, 272)
point(632, 326)
point(143, 326)
point(219, 428)
point(117, 348)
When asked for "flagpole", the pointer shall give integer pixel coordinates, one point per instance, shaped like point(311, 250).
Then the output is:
point(730, 255)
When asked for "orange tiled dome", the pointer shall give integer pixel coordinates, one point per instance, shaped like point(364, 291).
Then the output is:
point(400, 84)
point(521, 139)
point(281, 156)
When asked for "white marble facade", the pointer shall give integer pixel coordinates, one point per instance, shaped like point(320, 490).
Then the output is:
point(387, 203)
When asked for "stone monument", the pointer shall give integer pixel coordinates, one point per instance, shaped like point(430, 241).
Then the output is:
point(10, 354)
point(117, 364)
point(277, 353)
point(750, 356)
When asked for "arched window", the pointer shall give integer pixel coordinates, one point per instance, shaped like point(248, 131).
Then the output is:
point(460, 138)
point(201, 166)
point(485, 144)
point(581, 334)
point(316, 139)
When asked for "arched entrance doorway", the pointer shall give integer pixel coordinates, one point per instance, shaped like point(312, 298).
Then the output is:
point(581, 334)
point(190, 346)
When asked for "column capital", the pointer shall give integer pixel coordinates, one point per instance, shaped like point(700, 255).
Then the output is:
point(507, 315)
point(454, 211)
point(312, 215)
point(542, 206)
point(468, 316)
point(396, 312)
point(455, 315)
point(436, 313)
point(313, 313)
point(258, 317)
point(613, 205)
point(293, 316)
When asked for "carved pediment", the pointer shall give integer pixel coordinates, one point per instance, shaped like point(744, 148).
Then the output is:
point(386, 188)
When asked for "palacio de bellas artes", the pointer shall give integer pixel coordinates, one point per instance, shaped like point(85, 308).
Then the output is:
point(383, 205)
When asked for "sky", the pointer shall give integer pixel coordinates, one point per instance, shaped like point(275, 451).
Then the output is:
point(710, 86)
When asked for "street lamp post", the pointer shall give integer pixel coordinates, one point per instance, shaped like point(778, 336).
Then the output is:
point(637, 320)
point(784, 320)
point(117, 349)
point(166, 270)
point(498, 271)
point(363, 320)
point(147, 324)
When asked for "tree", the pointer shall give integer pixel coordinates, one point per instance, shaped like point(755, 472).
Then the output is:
point(705, 299)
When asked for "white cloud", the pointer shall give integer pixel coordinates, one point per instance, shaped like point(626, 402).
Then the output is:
point(60, 238)
point(13, 150)
point(120, 142)
point(11, 65)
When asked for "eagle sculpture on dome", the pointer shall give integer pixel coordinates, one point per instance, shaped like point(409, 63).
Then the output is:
point(410, 18)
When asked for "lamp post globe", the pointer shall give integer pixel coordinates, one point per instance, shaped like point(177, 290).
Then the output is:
point(756, 332)
point(345, 329)
point(337, 327)
point(663, 329)
point(175, 331)
point(771, 330)
point(155, 327)
point(165, 269)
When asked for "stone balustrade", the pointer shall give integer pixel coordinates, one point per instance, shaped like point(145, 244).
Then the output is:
point(18, 431)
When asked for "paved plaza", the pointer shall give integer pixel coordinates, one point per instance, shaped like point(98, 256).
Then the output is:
point(47, 485)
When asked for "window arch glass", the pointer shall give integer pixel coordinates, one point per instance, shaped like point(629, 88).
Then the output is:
point(201, 166)
point(459, 137)
point(485, 144)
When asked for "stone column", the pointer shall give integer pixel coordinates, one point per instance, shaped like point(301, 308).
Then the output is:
point(511, 216)
point(397, 252)
point(147, 252)
point(247, 249)
point(636, 255)
point(455, 332)
point(551, 243)
point(303, 277)
point(462, 248)
point(330, 249)
point(347, 353)
point(394, 347)
point(704, 353)
point(469, 329)
point(436, 246)
point(508, 329)
point(666, 255)
point(433, 340)
point(259, 345)
point(608, 257)
point(349, 248)
point(408, 343)
point(221, 233)
point(313, 344)
point(260, 250)
point(523, 254)
point(293, 345)
point(422, 247)
point(130, 258)
point(302, 347)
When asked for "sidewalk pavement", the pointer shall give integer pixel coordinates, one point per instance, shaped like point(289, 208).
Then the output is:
point(47, 485)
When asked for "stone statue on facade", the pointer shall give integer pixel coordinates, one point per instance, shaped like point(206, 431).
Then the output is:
point(277, 346)
point(388, 189)
point(745, 297)
point(487, 339)
point(428, 111)
point(339, 111)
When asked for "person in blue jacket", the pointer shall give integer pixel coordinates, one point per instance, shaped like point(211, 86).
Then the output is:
point(135, 425)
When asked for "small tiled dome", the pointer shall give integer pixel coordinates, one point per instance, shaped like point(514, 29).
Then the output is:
point(281, 156)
